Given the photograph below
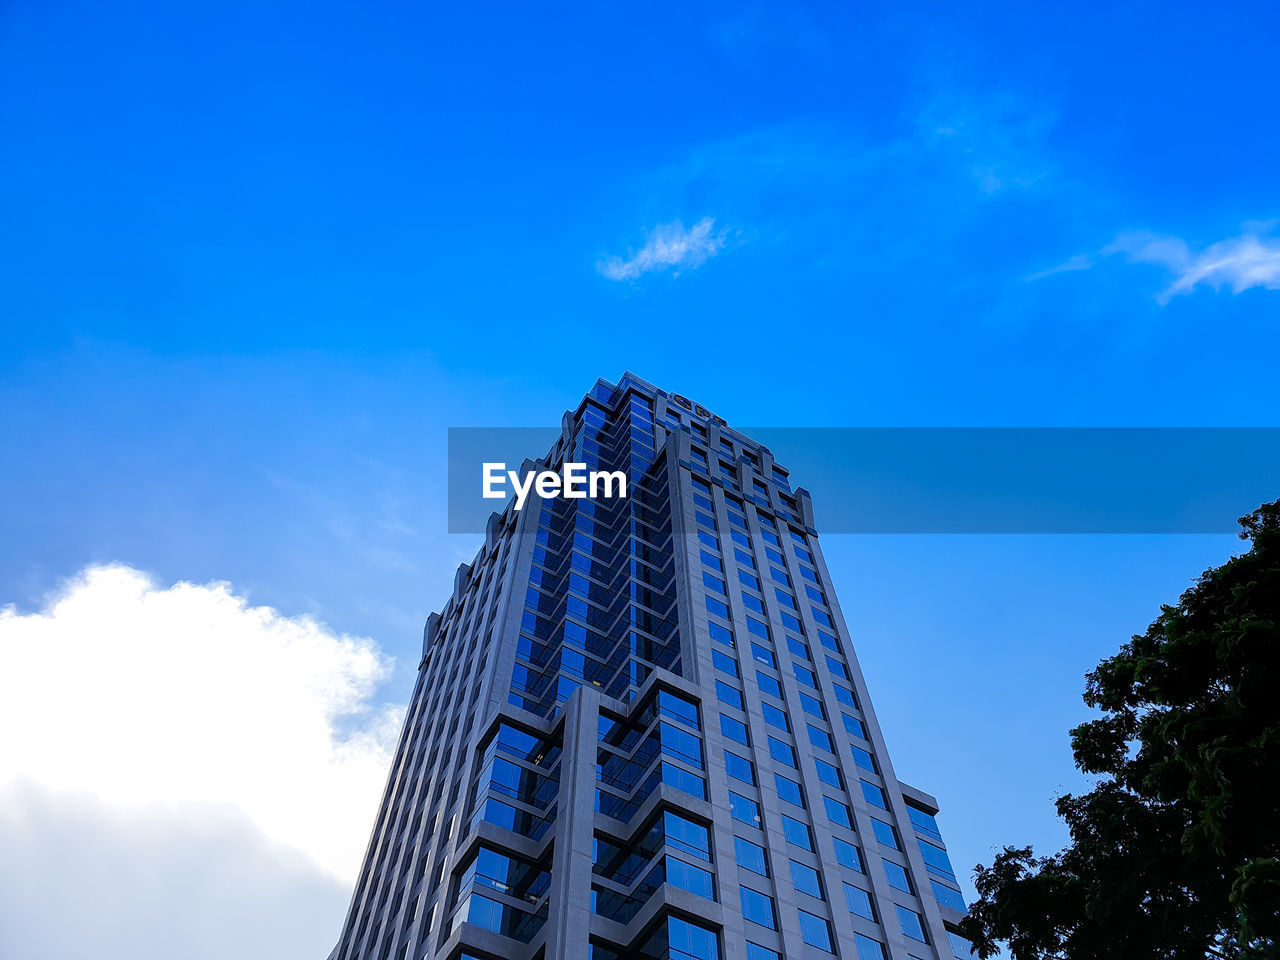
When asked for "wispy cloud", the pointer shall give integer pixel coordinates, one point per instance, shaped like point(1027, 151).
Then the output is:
point(1249, 260)
point(669, 247)
point(1240, 263)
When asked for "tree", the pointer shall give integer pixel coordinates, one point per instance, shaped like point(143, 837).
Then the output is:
point(1175, 853)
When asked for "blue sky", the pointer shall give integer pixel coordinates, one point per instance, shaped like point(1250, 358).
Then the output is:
point(257, 258)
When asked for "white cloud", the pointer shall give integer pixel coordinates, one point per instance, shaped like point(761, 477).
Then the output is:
point(186, 707)
point(1249, 260)
point(669, 246)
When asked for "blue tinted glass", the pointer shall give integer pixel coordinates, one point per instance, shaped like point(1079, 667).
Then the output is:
point(863, 759)
point(734, 729)
point(909, 920)
point(854, 726)
point(947, 896)
point(762, 655)
point(724, 662)
point(775, 717)
point(743, 809)
point(885, 833)
point(805, 879)
point(847, 855)
point(815, 931)
point(720, 634)
point(739, 768)
point(768, 684)
point(873, 795)
point(782, 752)
point(728, 694)
point(859, 901)
point(897, 876)
point(788, 789)
point(868, 949)
point(797, 832)
point(837, 812)
point(751, 856)
point(828, 773)
point(757, 908)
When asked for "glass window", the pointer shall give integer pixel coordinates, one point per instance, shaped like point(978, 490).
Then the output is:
point(828, 641)
point(797, 832)
point(897, 876)
point(679, 743)
point(815, 931)
point(806, 879)
point(874, 795)
point(728, 694)
point(752, 602)
point(744, 558)
point(847, 855)
point(812, 706)
point(762, 655)
point(748, 580)
point(751, 856)
point(677, 708)
point(758, 908)
point(936, 860)
point(734, 730)
point(704, 519)
point(868, 949)
point(688, 877)
point(820, 738)
point(786, 599)
point(854, 726)
point(718, 608)
point(845, 696)
point(821, 616)
point(837, 812)
point(863, 759)
point(682, 779)
point(782, 752)
point(910, 923)
point(687, 941)
point(947, 896)
point(923, 822)
point(720, 634)
point(885, 833)
point(828, 773)
point(711, 560)
point(724, 662)
point(712, 582)
point(798, 648)
point(775, 717)
point(814, 594)
point(743, 809)
point(768, 684)
point(758, 628)
point(776, 557)
point(859, 901)
point(757, 952)
point(739, 768)
point(837, 668)
point(708, 540)
point(686, 835)
point(805, 675)
point(788, 790)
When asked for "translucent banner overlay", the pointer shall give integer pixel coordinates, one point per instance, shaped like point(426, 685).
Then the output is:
point(968, 480)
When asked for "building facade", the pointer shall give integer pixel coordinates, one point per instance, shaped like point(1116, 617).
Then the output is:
point(639, 730)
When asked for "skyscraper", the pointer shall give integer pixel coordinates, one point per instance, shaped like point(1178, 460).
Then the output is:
point(639, 730)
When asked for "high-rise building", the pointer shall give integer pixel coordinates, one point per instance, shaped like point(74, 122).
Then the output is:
point(639, 730)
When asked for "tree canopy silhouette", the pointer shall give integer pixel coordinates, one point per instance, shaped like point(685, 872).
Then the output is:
point(1175, 853)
